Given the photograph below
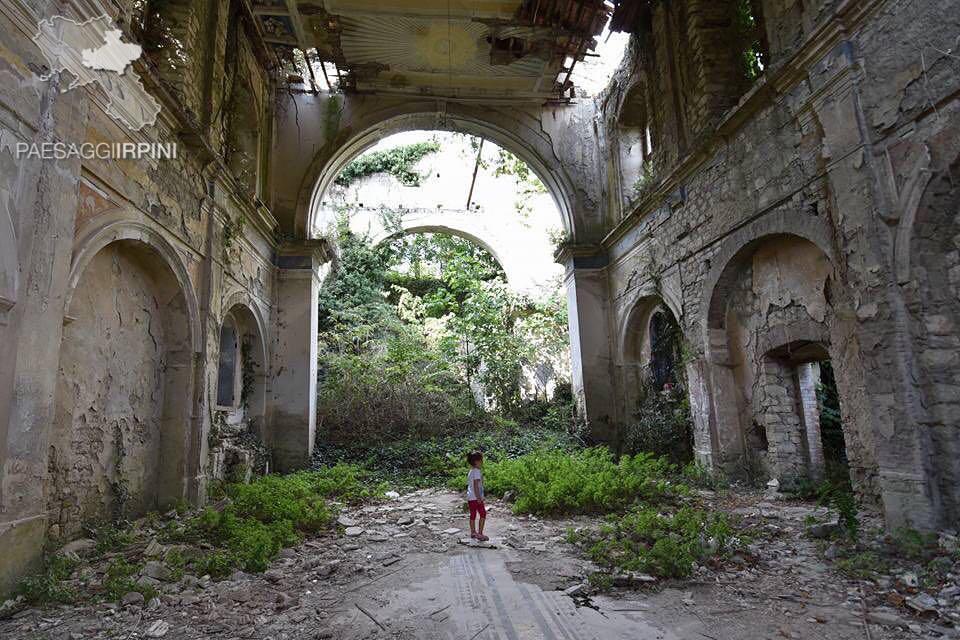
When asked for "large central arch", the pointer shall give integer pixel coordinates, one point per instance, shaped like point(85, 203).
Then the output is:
point(514, 130)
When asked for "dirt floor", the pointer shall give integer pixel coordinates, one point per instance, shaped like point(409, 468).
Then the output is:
point(401, 570)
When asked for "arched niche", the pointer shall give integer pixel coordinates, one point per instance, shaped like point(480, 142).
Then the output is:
point(766, 289)
point(929, 275)
point(121, 435)
point(652, 368)
point(242, 367)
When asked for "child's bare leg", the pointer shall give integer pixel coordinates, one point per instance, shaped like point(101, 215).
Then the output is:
point(473, 527)
point(480, 527)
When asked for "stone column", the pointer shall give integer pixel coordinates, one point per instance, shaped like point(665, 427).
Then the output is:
point(808, 375)
point(727, 418)
point(591, 365)
point(293, 389)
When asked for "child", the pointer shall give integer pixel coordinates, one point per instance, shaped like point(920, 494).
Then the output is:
point(475, 495)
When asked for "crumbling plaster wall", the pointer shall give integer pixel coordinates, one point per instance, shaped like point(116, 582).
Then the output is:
point(857, 106)
point(105, 443)
point(96, 348)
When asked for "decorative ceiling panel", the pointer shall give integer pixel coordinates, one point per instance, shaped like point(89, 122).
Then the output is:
point(428, 46)
point(467, 49)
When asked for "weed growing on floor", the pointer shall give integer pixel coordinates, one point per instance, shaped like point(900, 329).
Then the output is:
point(272, 512)
point(585, 481)
point(696, 475)
point(861, 565)
point(918, 546)
point(649, 541)
point(120, 579)
point(835, 492)
point(111, 538)
point(47, 586)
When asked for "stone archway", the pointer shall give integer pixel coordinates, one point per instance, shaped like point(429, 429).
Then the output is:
point(767, 281)
point(121, 437)
point(526, 272)
point(507, 129)
point(929, 276)
point(240, 394)
point(652, 369)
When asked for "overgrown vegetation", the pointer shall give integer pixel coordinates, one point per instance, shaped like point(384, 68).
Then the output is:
point(261, 518)
point(588, 480)
point(400, 162)
point(662, 423)
point(412, 463)
point(650, 541)
point(419, 338)
point(47, 586)
point(750, 39)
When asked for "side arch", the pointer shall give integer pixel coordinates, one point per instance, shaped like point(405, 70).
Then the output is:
point(725, 412)
point(739, 245)
point(643, 301)
point(245, 300)
point(90, 241)
point(125, 432)
point(525, 139)
point(254, 364)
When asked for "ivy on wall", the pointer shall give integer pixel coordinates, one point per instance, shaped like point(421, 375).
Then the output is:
point(397, 161)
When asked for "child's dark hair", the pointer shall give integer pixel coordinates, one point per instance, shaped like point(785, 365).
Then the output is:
point(473, 456)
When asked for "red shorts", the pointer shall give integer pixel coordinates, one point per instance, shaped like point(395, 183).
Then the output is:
point(477, 508)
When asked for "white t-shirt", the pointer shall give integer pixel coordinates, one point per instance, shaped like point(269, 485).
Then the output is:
point(475, 474)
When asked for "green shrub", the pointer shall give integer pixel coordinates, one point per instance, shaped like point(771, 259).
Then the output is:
point(271, 513)
point(662, 424)
point(112, 538)
point(119, 580)
point(47, 586)
point(585, 481)
point(399, 161)
point(176, 562)
point(217, 564)
point(861, 565)
point(662, 544)
point(834, 491)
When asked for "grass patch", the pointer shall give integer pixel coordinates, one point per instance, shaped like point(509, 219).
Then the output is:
point(661, 544)
point(914, 545)
point(271, 513)
point(111, 538)
point(120, 579)
point(861, 565)
point(584, 481)
point(47, 586)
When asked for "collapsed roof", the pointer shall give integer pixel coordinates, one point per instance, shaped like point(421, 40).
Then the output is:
point(482, 50)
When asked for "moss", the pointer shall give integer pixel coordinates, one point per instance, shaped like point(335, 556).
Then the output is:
point(397, 161)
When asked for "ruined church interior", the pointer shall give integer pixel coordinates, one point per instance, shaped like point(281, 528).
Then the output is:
point(757, 238)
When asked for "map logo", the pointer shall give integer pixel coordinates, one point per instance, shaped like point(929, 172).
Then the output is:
point(93, 52)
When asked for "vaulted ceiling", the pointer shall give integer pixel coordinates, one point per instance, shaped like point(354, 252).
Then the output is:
point(493, 50)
